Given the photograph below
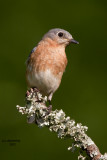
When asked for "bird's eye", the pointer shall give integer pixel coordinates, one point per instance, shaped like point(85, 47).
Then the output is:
point(60, 34)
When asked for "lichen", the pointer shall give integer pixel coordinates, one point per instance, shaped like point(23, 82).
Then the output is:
point(58, 122)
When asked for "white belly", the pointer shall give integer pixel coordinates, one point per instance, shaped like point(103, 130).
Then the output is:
point(45, 81)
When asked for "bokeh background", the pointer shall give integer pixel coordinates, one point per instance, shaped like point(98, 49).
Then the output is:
point(83, 91)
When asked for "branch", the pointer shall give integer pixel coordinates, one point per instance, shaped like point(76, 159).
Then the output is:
point(56, 121)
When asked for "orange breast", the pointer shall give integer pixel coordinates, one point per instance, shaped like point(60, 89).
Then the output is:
point(49, 55)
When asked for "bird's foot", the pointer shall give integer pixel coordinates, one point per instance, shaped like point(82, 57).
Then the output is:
point(31, 90)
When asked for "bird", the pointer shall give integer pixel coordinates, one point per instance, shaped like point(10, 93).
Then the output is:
point(47, 62)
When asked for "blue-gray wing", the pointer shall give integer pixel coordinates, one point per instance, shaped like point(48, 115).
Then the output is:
point(33, 50)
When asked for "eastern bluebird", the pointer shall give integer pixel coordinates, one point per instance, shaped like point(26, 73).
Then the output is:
point(47, 62)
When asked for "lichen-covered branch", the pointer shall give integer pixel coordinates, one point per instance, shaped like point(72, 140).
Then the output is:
point(56, 121)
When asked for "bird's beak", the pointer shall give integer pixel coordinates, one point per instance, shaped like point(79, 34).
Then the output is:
point(73, 41)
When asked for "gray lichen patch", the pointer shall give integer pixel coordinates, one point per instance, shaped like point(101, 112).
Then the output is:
point(58, 122)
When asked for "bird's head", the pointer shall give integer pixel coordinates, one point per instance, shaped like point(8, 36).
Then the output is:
point(60, 36)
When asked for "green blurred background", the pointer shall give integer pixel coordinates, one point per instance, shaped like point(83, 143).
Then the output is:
point(83, 91)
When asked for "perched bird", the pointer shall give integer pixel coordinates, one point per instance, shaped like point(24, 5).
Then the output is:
point(47, 62)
